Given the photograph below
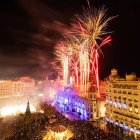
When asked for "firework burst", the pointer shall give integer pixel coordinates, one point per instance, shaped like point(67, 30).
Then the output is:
point(79, 53)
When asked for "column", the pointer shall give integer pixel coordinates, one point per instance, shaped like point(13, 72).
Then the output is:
point(135, 135)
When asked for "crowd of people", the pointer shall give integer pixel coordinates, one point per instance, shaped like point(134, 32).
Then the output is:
point(82, 129)
point(85, 130)
point(40, 123)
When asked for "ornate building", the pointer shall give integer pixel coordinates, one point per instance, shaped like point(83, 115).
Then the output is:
point(123, 102)
point(89, 107)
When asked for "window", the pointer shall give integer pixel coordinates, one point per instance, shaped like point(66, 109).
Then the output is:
point(136, 111)
point(90, 96)
point(129, 93)
point(124, 92)
point(119, 91)
point(135, 100)
point(119, 97)
point(114, 91)
point(124, 98)
point(136, 106)
point(130, 104)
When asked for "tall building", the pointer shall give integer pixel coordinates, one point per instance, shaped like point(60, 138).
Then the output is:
point(97, 105)
point(123, 101)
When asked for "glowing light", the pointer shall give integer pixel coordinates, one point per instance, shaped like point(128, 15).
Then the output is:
point(107, 119)
point(126, 127)
point(121, 125)
point(58, 133)
point(132, 129)
point(130, 109)
point(14, 110)
point(40, 94)
point(138, 132)
point(136, 110)
point(110, 102)
point(41, 111)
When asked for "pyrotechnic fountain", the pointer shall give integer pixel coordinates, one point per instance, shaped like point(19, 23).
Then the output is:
point(17, 105)
point(79, 57)
point(15, 109)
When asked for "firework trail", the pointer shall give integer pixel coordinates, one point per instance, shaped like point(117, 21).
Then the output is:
point(90, 29)
point(82, 46)
point(66, 51)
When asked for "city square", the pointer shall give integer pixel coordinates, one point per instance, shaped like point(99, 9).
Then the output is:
point(66, 74)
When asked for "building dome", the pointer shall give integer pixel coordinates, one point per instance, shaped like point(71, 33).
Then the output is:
point(59, 132)
point(59, 128)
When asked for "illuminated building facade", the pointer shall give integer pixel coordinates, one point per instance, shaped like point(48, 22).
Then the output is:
point(29, 87)
point(5, 88)
point(23, 86)
point(15, 93)
point(89, 108)
point(123, 102)
point(69, 101)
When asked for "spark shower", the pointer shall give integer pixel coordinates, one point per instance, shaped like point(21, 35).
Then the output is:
point(81, 48)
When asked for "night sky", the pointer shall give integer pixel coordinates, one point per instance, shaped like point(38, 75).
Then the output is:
point(29, 30)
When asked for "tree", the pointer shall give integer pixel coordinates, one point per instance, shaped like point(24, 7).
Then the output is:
point(28, 112)
point(27, 119)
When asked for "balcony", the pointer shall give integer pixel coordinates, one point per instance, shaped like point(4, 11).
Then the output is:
point(131, 122)
point(135, 100)
point(130, 93)
point(130, 116)
point(135, 94)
